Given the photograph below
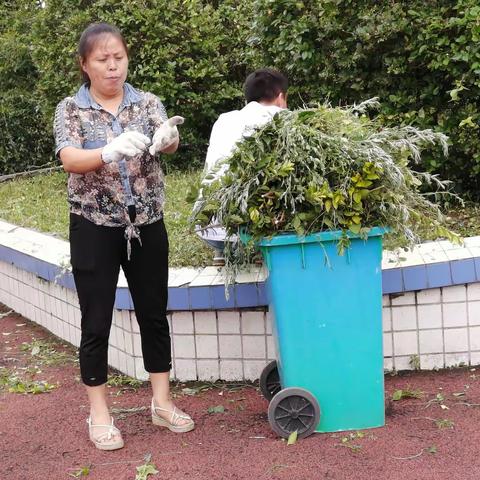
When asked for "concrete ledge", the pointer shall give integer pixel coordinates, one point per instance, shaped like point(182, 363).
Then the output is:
point(429, 265)
point(431, 309)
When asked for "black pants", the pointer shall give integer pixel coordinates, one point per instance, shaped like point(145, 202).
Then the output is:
point(97, 252)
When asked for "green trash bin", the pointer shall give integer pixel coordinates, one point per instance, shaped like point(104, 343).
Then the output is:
point(327, 326)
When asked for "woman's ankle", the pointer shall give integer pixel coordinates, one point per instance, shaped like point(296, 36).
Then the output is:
point(100, 415)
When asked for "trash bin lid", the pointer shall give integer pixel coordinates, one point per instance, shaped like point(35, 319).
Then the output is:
point(327, 236)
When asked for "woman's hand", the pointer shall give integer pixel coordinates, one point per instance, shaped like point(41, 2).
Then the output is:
point(166, 135)
point(127, 144)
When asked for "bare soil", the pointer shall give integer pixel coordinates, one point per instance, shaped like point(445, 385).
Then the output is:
point(44, 436)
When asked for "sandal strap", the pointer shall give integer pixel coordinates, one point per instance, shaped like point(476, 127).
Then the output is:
point(175, 415)
point(112, 430)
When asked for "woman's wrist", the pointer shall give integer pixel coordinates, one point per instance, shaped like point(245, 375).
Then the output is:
point(81, 160)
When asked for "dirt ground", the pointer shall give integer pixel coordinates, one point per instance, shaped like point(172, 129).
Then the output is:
point(44, 436)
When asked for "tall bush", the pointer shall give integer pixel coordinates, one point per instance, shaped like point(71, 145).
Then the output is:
point(421, 57)
point(189, 53)
point(25, 139)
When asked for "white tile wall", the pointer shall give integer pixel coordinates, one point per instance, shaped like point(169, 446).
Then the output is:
point(474, 358)
point(431, 341)
point(407, 298)
point(431, 362)
point(429, 316)
point(137, 344)
point(387, 344)
point(133, 322)
point(404, 317)
point(405, 343)
point(140, 372)
point(455, 314)
point(271, 350)
point(402, 363)
point(184, 346)
point(432, 295)
point(457, 293)
point(456, 359)
point(268, 323)
point(387, 318)
point(440, 325)
point(473, 291)
point(231, 370)
point(205, 322)
point(388, 364)
point(474, 312)
point(253, 368)
point(254, 346)
point(474, 338)
point(230, 346)
point(456, 340)
point(182, 322)
point(208, 370)
point(253, 323)
point(207, 346)
point(228, 321)
point(186, 369)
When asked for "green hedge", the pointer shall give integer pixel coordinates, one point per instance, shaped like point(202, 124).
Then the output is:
point(25, 138)
point(421, 57)
point(191, 54)
point(188, 53)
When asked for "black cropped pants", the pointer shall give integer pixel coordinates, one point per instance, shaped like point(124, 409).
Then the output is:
point(97, 252)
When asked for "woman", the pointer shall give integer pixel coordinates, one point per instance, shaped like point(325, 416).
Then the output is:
point(116, 196)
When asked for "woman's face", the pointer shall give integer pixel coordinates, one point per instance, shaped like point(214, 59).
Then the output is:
point(106, 65)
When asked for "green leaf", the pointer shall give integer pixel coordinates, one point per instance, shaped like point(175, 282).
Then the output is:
point(467, 122)
point(354, 227)
point(192, 193)
point(397, 395)
point(292, 438)
point(81, 472)
point(454, 93)
point(145, 470)
point(254, 215)
point(416, 181)
point(364, 183)
point(217, 409)
point(236, 219)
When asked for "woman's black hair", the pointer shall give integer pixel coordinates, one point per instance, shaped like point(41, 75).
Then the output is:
point(89, 38)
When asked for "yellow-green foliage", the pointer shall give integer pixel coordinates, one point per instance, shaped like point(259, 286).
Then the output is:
point(326, 168)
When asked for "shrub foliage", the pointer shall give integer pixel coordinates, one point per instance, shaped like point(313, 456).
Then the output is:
point(420, 57)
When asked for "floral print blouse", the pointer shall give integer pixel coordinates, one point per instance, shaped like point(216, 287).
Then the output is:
point(103, 196)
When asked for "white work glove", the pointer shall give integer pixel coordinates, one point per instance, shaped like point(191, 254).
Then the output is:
point(127, 144)
point(166, 134)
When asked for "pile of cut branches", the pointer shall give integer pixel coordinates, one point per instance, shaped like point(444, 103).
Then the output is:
point(326, 168)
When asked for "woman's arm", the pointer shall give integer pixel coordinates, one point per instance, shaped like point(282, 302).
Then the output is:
point(80, 160)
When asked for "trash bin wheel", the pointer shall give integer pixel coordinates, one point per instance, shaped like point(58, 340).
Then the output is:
point(270, 380)
point(294, 409)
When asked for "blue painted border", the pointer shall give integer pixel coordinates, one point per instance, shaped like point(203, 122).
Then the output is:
point(255, 294)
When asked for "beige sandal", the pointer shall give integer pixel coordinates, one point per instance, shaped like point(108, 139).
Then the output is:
point(105, 440)
point(173, 424)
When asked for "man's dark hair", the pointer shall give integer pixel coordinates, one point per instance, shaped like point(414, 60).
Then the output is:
point(265, 84)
